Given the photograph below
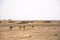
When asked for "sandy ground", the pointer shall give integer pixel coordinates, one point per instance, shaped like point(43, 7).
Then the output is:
point(35, 33)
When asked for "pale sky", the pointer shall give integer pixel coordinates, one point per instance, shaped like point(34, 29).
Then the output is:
point(30, 9)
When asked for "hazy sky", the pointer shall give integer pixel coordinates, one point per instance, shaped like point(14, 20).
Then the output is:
point(30, 9)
